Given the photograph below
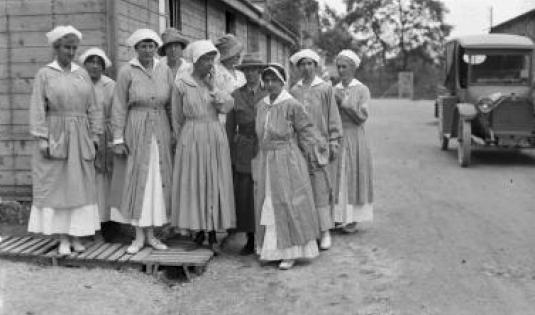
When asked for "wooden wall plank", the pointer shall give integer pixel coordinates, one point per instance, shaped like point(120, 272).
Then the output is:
point(44, 7)
point(216, 20)
point(41, 55)
point(7, 177)
point(22, 39)
point(13, 116)
point(45, 22)
point(19, 101)
point(14, 132)
point(18, 162)
point(193, 19)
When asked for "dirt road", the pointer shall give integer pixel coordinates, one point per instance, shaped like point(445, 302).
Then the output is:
point(445, 240)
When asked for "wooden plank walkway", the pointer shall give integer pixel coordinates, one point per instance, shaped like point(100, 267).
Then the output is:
point(181, 253)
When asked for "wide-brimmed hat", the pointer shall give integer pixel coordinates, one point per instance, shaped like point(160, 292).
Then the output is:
point(172, 35)
point(251, 61)
point(228, 46)
point(277, 69)
point(141, 35)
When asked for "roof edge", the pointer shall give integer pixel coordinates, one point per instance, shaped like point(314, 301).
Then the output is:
point(512, 20)
point(259, 17)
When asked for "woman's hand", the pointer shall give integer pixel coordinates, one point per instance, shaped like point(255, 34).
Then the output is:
point(333, 151)
point(120, 149)
point(43, 147)
point(338, 96)
point(96, 144)
point(209, 79)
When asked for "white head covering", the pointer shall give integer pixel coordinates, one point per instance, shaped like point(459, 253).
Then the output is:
point(351, 55)
point(60, 31)
point(277, 69)
point(95, 51)
point(305, 53)
point(143, 34)
point(195, 50)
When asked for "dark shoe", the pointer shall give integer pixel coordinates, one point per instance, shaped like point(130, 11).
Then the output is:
point(199, 238)
point(248, 249)
point(212, 242)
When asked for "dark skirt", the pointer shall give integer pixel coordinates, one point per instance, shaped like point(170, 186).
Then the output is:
point(243, 187)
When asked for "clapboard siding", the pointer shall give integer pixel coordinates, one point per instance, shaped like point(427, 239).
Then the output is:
point(107, 24)
point(241, 29)
point(23, 50)
point(45, 22)
point(216, 20)
point(193, 16)
point(131, 15)
point(262, 46)
point(53, 7)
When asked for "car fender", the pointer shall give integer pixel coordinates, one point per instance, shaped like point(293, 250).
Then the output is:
point(466, 111)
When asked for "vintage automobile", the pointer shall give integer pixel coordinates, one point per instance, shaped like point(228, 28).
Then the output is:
point(487, 98)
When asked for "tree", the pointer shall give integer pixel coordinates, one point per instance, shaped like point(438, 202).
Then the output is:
point(294, 14)
point(398, 29)
point(334, 35)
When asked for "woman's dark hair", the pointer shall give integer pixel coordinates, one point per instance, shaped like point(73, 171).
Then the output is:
point(279, 68)
point(299, 62)
point(100, 61)
point(145, 41)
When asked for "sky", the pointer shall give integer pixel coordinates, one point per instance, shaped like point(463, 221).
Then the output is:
point(470, 16)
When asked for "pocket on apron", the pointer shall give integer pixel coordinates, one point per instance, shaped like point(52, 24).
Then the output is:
point(87, 148)
point(58, 143)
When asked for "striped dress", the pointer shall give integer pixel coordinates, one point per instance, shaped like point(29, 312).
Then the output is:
point(354, 181)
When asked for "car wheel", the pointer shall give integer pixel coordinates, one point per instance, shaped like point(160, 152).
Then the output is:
point(464, 139)
point(444, 143)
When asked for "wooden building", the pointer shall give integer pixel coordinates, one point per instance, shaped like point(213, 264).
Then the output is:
point(523, 24)
point(106, 24)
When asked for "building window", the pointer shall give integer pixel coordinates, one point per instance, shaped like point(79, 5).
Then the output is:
point(175, 19)
point(230, 23)
point(252, 39)
point(268, 48)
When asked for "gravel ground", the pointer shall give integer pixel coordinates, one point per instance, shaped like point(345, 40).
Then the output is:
point(445, 240)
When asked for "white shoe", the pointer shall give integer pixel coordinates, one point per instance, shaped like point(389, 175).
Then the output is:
point(286, 264)
point(156, 243)
point(77, 245)
point(326, 241)
point(64, 247)
point(135, 247)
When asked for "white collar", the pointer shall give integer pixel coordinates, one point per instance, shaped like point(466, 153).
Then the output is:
point(283, 96)
point(104, 80)
point(55, 65)
point(317, 80)
point(353, 82)
point(135, 62)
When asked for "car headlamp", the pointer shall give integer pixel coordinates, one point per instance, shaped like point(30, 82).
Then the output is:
point(485, 106)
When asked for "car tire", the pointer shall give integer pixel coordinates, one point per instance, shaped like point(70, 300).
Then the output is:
point(464, 139)
point(444, 143)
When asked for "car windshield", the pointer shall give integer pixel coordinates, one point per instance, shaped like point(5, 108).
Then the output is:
point(500, 69)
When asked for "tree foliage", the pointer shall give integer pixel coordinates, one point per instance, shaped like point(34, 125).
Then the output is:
point(393, 29)
point(291, 13)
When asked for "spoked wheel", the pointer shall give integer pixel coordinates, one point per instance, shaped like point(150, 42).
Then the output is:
point(464, 138)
